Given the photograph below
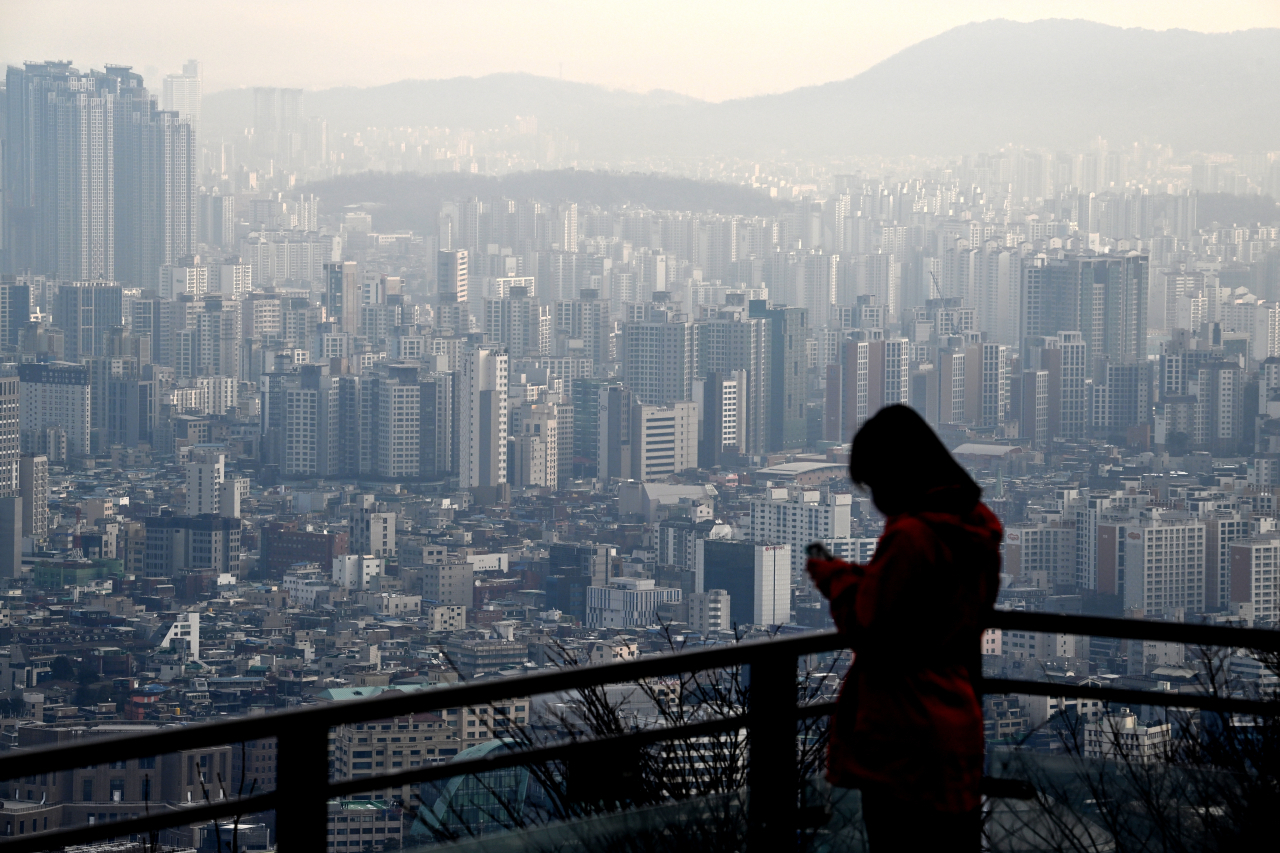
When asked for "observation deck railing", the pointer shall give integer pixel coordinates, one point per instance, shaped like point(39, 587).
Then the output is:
point(303, 787)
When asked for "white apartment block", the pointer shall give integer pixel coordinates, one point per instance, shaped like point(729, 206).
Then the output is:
point(890, 372)
point(398, 427)
point(206, 472)
point(279, 256)
point(304, 585)
point(852, 549)
point(185, 627)
point(353, 571)
point(797, 517)
point(1041, 554)
point(995, 384)
point(1074, 416)
point(520, 323)
point(1164, 564)
point(664, 441)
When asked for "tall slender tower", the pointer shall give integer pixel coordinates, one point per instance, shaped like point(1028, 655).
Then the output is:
point(482, 419)
point(182, 93)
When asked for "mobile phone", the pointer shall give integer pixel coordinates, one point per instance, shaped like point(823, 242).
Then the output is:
point(818, 551)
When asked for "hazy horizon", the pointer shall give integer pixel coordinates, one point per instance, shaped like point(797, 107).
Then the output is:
point(752, 53)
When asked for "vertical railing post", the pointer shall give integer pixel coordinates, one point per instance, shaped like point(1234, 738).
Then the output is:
point(772, 775)
point(302, 774)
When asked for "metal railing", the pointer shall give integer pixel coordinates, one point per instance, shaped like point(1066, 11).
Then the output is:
point(303, 790)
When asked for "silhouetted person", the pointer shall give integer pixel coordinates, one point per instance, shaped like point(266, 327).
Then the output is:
point(908, 729)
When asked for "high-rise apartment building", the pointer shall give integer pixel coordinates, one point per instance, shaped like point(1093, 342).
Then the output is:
point(182, 92)
point(342, 295)
point(798, 517)
point(300, 421)
point(587, 320)
point(740, 347)
point(482, 418)
point(10, 434)
point(1164, 564)
point(1033, 407)
point(664, 440)
point(33, 486)
point(209, 489)
point(452, 275)
point(207, 334)
point(657, 358)
point(279, 125)
point(206, 472)
point(994, 398)
point(519, 322)
point(100, 185)
point(55, 395)
point(1253, 576)
point(1064, 358)
point(15, 309)
point(787, 424)
point(60, 223)
point(1103, 297)
point(613, 431)
point(86, 311)
point(888, 371)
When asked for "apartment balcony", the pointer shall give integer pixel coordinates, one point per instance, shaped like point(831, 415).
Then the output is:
point(731, 760)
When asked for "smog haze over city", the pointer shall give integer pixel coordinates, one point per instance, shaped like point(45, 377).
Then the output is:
point(374, 377)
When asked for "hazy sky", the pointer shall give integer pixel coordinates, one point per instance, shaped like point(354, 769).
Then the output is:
point(705, 48)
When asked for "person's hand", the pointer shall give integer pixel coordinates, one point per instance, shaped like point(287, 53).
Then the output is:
point(818, 551)
point(824, 567)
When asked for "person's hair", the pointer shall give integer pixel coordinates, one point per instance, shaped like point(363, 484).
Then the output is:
point(900, 459)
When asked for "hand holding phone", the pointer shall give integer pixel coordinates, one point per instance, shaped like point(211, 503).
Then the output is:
point(818, 551)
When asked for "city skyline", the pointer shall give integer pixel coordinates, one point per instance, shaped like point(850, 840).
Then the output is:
point(498, 386)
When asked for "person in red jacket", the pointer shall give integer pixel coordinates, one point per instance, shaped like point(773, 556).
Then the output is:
point(908, 727)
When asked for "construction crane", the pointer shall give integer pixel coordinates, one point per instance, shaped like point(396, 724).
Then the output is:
point(937, 290)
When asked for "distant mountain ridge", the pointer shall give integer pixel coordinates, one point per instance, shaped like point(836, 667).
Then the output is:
point(1053, 83)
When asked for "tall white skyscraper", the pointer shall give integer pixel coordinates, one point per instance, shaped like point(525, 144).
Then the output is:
point(182, 92)
point(482, 418)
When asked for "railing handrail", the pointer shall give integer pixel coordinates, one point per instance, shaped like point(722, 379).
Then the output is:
point(1190, 633)
point(69, 756)
point(771, 652)
point(459, 695)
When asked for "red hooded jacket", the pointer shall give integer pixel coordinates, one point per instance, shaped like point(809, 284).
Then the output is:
point(909, 722)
